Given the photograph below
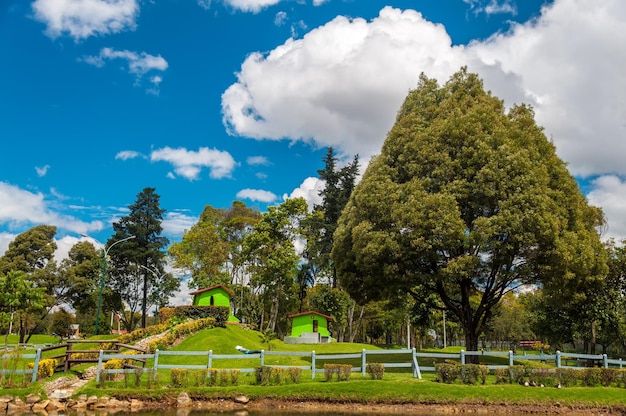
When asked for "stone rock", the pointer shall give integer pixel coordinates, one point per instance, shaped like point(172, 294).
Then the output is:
point(33, 398)
point(6, 399)
point(14, 407)
point(61, 394)
point(183, 400)
point(82, 398)
point(56, 405)
point(91, 401)
point(102, 402)
point(18, 402)
point(136, 404)
point(241, 399)
point(38, 407)
point(118, 404)
point(78, 404)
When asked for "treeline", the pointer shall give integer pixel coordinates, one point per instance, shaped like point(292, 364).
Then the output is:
point(467, 216)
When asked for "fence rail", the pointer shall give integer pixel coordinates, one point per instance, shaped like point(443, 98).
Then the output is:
point(411, 360)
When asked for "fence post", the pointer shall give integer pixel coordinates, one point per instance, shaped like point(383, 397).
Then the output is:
point(156, 363)
point(416, 367)
point(510, 358)
point(558, 359)
point(605, 361)
point(462, 357)
point(313, 365)
point(363, 362)
point(99, 366)
point(262, 358)
point(68, 354)
point(210, 363)
point(620, 363)
point(36, 365)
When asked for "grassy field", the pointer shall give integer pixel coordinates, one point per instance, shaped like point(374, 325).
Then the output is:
point(397, 386)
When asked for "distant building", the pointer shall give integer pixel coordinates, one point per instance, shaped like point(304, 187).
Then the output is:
point(309, 328)
point(218, 295)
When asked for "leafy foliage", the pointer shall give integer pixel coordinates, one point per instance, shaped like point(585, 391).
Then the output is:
point(466, 201)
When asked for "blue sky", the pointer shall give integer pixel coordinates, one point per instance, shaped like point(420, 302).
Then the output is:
point(210, 101)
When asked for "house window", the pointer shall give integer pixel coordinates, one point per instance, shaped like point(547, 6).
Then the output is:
point(315, 325)
point(212, 301)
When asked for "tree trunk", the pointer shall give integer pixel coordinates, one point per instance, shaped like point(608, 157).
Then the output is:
point(471, 344)
point(358, 325)
point(144, 301)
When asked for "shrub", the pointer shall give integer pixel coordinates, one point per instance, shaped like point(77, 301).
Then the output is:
point(503, 375)
point(545, 376)
point(212, 376)
point(199, 377)
point(609, 376)
point(46, 367)
point(567, 376)
point(234, 376)
point(519, 373)
point(472, 373)
point(447, 373)
point(179, 377)
point(375, 370)
point(341, 371)
point(592, 377)
point(116, 363)
point(218, 313)
point(295, 374)
point(224, 377)
point(263, 375)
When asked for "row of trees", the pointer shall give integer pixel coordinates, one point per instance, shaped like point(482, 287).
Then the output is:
point(465, 210)
point(33, 284)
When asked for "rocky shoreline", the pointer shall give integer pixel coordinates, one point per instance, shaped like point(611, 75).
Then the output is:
point(60, 402)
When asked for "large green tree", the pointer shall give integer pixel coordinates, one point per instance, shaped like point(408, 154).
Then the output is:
point(466, 200)
point(271, 257)
point(210, 250)
point(32, 252)
point(137, 263)
point(18, 297)
point(320, 225)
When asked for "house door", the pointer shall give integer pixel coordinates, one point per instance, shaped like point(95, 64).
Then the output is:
point(315, 325)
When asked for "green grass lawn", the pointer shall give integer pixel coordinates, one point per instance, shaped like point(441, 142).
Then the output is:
point(397, 386)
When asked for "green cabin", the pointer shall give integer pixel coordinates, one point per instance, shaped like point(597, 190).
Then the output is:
point(309, 328)
point(218, 295)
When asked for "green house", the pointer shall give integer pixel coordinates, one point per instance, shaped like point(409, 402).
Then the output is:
point(309, 328)
point(218, 295)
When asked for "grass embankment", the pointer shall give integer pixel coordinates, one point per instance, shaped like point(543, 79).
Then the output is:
point(397, 386)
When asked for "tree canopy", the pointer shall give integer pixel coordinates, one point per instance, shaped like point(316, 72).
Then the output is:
point(466, 201)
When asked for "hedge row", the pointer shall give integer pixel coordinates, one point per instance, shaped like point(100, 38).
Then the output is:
point(340, 371)
point(179, 331)
point(266, 375)
point(219, 313)
point(549, 377)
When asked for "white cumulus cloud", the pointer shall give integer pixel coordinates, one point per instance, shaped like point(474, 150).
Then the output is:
point(610, 193)
point(257, 195)
point(257, 161)
point(310, 190)
point(253, 6)
point(138, 63)
point(189, 163)
point(23, 208)
point(81, 19)
point(127, 155)
point(42, 170)
point(342, 84)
